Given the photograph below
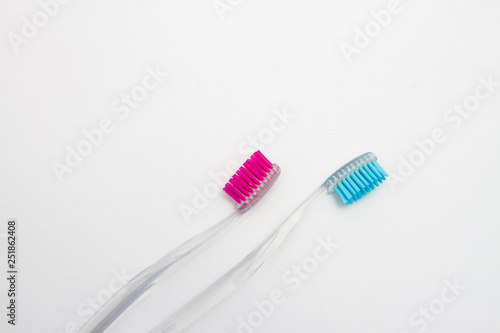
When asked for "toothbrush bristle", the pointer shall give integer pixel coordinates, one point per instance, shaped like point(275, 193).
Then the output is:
point(357, 178)
point(252, 181)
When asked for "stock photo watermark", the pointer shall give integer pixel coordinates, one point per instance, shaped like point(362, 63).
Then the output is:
point(454, 117)
point(292, 279)
point(31, 26)
point(224, 7)
point(91, 304)
point(122, 107)
point(12, 247)
point(202, 195)
point(363, 37)
point(421, 319)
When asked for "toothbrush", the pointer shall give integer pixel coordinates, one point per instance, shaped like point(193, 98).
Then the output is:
point(351, 182)
point(250, 183)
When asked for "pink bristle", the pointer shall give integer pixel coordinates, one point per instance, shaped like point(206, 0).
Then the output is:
point(258, 167)
point(252, 169)
point(264, 159)
point(235, 198)
point(239, 186)
point(243, 183)
point(235, 194)
point(261, 164)
point(250, 175)
point(246, 178)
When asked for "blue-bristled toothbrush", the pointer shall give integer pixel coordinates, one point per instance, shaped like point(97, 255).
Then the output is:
point(351, 182)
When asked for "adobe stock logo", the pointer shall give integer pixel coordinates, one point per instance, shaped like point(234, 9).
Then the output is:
point(87, 308)
point(94, 137)
point(363, 37)
point(426, 315)
point(31, 27)
point(223, 7)
point(292, 279)
point(455, 117)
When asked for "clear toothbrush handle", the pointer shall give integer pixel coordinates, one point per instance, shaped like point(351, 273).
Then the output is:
point(237, 276)
point(143, 281)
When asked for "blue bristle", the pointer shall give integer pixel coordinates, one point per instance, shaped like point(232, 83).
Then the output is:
point(375, 179)
point(341, 195)
point(356, 184)
point(361, 178)
point(375, 172)
point(346, 192)
point(379, 168)
point(367, 178)
point(353, 184)
point(349, 187)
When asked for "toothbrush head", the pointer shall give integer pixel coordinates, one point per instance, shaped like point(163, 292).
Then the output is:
point(355, 179)
point(249, 184)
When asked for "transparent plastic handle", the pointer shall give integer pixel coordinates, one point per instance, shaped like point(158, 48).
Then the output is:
point(141, 283)
point(237, 276)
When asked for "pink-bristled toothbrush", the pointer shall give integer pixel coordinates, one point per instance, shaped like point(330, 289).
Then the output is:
point(250, 183)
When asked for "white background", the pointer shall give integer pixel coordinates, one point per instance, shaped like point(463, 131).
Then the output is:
point(119, 209)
